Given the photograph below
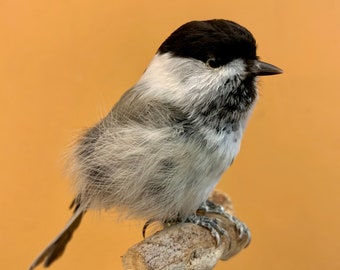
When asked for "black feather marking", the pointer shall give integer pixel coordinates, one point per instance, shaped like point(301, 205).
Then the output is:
point(220, 40)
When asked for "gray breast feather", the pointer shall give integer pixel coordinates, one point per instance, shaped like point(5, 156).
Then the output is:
point(148, 159)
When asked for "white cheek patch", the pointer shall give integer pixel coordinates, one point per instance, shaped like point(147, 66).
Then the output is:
point(185, 80)
point(235, 68)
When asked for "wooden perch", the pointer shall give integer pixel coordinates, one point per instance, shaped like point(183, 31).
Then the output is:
point(186, 245)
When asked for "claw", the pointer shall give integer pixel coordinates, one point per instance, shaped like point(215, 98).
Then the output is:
point(210, 207)
point(146, 225)
point(210, 224)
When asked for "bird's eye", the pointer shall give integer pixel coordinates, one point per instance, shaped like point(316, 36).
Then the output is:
point(213, 62)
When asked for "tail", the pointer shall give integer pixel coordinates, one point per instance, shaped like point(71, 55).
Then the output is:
point(56, 248)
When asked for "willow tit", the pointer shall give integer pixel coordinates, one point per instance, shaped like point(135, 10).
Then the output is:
point(163, 147)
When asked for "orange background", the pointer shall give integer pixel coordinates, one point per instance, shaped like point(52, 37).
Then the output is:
point(63, 64)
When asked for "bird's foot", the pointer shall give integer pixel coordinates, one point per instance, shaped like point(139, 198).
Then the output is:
point(146, 225)
point(213, 208)
point(206, 222)
point(210, 224)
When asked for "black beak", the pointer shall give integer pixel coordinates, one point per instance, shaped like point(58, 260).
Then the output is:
point(265, 69)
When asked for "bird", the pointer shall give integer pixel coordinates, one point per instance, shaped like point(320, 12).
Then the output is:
point(163, 147)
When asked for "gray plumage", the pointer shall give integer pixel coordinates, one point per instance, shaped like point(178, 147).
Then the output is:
point(163, 147)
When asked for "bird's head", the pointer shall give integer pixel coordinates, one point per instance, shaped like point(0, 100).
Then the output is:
point(203, 60)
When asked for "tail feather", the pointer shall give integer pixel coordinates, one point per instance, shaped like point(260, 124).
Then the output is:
point(56, 248)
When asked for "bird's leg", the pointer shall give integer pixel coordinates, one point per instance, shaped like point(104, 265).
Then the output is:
point(166, 224)
point(209, 223)
point(213, 208)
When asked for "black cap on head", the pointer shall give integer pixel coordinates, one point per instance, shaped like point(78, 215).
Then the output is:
point(218, 40)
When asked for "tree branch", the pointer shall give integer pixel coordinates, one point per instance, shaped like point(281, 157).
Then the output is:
point(186, 245)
